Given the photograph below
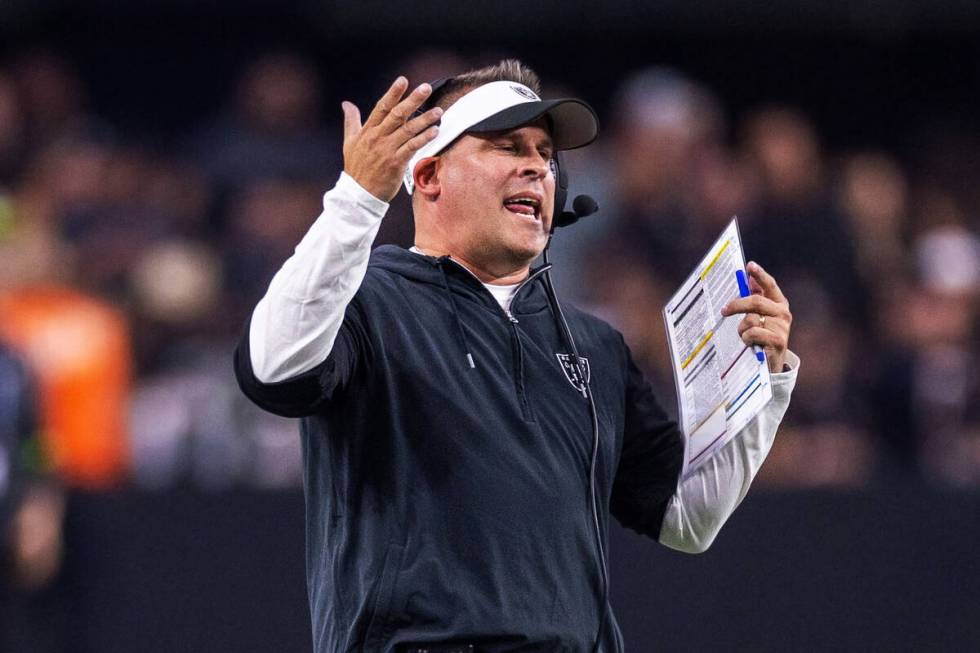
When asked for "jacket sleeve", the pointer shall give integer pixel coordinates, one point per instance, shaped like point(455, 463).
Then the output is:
point(305, 392)
point(650, 461)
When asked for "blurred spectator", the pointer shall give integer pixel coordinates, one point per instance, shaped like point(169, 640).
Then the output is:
point(58, 169)
point(793, 227)
point(926, 391)
point(189, 422)
point(947, 389)
point(825, 441)
point(272, 129)
point(265, 222)
point(175, 290)
point(54, 99)
point(30, 248)
point(631, 299)
point(92, 188)
point(192, 427)
point(873, 195)
point(665, 124)
point(100, 205)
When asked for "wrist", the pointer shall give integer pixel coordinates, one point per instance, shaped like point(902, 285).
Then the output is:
point(357, 192)
point(381, 194)
point(778, 365)
point(791, 363)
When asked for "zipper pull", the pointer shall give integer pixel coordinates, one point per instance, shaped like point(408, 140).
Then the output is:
point(510, 316)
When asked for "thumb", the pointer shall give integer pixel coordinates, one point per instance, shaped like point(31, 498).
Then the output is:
point(352, 120)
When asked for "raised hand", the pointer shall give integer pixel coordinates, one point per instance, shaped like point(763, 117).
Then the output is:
point(768, 319)
point(376, 153)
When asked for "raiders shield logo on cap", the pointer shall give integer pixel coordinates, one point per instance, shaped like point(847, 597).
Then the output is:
point(525, 92)
point(572, 373)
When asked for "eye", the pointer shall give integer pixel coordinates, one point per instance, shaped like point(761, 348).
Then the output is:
point(507, 147)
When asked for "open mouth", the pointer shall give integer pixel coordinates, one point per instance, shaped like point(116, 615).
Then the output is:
point(524, 204)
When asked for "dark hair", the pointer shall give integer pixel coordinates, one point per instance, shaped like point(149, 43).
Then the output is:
point(508, 70)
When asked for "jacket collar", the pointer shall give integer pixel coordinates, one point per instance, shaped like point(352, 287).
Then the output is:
point(529, 299)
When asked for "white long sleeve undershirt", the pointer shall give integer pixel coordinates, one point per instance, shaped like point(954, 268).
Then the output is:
point(295, 324)
point(707, 497)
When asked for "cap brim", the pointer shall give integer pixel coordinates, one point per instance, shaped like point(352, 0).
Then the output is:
point(573, 122)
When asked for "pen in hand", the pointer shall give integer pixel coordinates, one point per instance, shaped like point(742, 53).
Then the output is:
point(743, 291)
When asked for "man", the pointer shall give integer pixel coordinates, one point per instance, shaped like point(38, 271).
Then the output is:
point(449, 458)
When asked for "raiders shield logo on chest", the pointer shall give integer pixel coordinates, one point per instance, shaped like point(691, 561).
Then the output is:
point(572, 371)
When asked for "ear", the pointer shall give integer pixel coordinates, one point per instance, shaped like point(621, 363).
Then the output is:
point(426, 175)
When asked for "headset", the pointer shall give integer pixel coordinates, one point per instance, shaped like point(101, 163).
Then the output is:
point(582, 205)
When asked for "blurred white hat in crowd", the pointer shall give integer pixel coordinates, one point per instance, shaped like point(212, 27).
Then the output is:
point(177, 282)
point(663, 98)
point(948, 259)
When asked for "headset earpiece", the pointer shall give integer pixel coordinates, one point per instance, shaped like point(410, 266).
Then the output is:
point(558, 218)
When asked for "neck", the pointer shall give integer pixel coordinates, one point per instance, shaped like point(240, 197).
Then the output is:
point(484, 273)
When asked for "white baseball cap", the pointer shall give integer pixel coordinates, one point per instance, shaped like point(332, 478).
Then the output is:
point(499, 106)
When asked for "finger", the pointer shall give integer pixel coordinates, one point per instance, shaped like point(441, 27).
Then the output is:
point(753, 321)
point(387, 102)
point(766, 281)
point(754, 286)
point(749, 322)
point(402, 111)
point(421, 123)
point(352, 120)
point(764, 338)
point(416, 143)
point(745, 325)
point(754, 304)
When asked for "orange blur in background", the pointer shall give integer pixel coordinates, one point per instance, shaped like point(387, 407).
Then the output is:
point(79, 350)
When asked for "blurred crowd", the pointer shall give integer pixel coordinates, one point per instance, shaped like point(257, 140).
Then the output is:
point(148, 252)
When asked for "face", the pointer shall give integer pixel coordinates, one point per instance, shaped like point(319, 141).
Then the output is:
point(496, 193)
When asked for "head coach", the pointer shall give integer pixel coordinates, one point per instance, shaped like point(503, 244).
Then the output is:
point(461, 462)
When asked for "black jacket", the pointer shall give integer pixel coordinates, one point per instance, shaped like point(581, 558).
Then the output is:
point(450, 502)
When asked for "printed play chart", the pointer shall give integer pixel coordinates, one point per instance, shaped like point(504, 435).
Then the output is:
point(722, 384)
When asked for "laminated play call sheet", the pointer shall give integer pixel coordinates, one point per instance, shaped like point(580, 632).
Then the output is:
point(722, 384)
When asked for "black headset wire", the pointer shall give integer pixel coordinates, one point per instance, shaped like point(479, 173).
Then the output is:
point(587, 393)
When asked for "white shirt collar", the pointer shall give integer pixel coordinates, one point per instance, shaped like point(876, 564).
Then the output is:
point(503, 293)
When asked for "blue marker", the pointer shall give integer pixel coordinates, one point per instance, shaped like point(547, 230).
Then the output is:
point(743, 291)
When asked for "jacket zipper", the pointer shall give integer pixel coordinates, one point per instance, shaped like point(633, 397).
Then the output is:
point(516, 347)
point(518, 350)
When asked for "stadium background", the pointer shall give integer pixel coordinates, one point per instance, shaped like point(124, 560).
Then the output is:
point(158, 161)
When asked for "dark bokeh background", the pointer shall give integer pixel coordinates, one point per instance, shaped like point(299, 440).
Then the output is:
point(159, 160)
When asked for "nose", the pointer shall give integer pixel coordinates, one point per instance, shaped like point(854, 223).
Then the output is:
point(535, 166)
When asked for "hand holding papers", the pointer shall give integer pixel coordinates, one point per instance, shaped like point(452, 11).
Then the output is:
point(722, 383)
